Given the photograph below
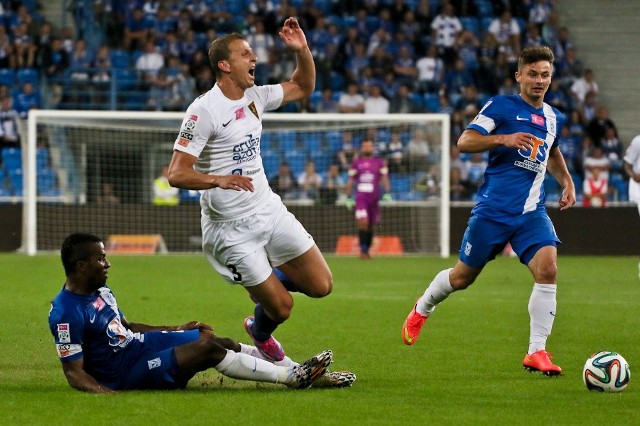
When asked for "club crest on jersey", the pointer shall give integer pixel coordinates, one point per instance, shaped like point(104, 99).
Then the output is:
point(63, 333)
point(98, 304)
point(236, 172)
point(253, 109)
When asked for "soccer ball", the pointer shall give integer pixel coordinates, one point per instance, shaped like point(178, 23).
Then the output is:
point(606, 371)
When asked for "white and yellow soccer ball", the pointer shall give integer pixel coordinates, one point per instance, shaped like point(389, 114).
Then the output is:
point(606, 371)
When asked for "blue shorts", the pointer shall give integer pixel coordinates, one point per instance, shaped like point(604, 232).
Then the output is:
point(485, 238)
point(156, 366)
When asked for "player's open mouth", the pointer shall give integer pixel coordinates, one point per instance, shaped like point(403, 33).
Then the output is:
point(252, 72)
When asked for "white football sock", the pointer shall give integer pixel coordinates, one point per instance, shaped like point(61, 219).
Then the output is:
point(439, 289)
point(254, 352)
point(238, 365)
point(542, 312)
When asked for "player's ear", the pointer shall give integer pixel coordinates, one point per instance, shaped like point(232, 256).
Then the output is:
point(517, 75)
point(224, 66)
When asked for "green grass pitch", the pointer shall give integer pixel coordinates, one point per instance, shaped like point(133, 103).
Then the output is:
point(465, 369)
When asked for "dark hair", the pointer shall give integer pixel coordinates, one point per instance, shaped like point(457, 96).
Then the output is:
point(220, 51)
point(74, 249)
point(535, 54)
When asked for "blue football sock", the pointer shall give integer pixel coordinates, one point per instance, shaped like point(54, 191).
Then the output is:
point(263, 325)
point(285, 280)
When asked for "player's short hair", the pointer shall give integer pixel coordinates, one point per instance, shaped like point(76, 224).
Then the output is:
point(533, 54)
point(220, 50)
point(74, 249)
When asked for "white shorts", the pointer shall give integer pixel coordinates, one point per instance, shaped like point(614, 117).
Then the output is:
point(245, 251)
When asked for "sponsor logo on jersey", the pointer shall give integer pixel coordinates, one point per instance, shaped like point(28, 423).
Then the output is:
point(537, 119)
point(66, 350)
point(240, 112)
point(186, 135)
point(154, 363)
point(246, 151)
point(236, 172)
point(252, 172)
point(63, 333)
point(193, 117)
point(536, 153)
point(226, 124)
point(183, 142)
point(253, 109)
point(98, 304)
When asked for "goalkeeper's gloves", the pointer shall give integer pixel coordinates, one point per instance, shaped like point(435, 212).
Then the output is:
point(387, 197)
point(349, 202)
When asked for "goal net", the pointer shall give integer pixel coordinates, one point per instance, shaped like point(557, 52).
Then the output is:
point(95, 171)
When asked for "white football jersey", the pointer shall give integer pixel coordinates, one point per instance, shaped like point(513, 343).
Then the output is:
point(632, 156)
point(224, 135)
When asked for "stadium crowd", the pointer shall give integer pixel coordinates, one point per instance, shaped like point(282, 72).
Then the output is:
point(372, 56)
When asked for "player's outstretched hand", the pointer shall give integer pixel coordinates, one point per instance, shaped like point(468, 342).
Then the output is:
point(292, 35)
point(349, 202)
point(235, 182)
point(195, 325)
point(568, 198)
point(387, 197)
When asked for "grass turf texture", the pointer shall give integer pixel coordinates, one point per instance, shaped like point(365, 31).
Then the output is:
point(464, 369)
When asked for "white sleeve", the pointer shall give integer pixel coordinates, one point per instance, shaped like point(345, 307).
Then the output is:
point(196, 130)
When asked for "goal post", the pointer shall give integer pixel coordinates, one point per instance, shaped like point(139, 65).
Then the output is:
point(94, 171)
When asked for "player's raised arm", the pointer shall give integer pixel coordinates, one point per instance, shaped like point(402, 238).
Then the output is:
point(303, 80)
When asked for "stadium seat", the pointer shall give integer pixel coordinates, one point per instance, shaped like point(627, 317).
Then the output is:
point(7, 77)
point(399, 184)
point(312, 141)
point(46, 182)
point(15, 181)
point(271, 162)
point(119, 59)
point(287, 140)
point(431, 102)
point(266, 142)
point(42, 158)
point(296, 161)
point(485, 8)
point(471, 23)
point(12, 158)
point(322, 160)
point(28, 75)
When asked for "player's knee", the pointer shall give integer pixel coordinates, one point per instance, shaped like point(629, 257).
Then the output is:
point(322, 287)
point(546, 273)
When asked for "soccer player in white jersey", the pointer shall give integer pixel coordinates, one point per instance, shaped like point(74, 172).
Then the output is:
point(246, 229)
point(520, 132)
point(632, 167)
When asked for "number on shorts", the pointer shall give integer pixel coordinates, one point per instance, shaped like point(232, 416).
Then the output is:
point(234, 271)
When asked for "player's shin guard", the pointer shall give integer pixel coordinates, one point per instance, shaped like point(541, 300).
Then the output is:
point(263, 326)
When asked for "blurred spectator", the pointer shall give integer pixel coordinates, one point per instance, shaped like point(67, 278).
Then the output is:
point(327, 103)
point(163, 193)
point(597, 126)
point(101, 77)
point(380, 63)
point(584, 85)
point(24, 47)
point(389, 86)
point(136, 30)
point(612, 148)
point(284, 183)
point(334, 185)
point(487, 55)
point(204, 80)
point(539, 13)
point(164, 94)
point(404, 67)
point(107, 195)
point(467, 46)
point(445, 28)
point(403, 102)
point(375, 103)
point(589, 108)
point(430, 71)
point(568, 70)
point(351, 101)
point(261, 43)
point(80, 62)
point(556, 97)
point(347, 152)
point(188, 46)
point(427, 183)
point(571, 149)
point(469, 103)
point(418, 151)
point(457, 187)
point(533, 37)
point(474, 170)
point(150, 62)
point(9, 126)
point(455, 80)
point(7, 58)
point(506, 30)
point(310, 182)
point(596, 160)
point(356, 63)
point(26, 100)
point(395, 154)
point(595, 188)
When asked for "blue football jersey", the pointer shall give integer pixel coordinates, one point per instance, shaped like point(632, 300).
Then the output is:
point(513, 180)
point(90, 327)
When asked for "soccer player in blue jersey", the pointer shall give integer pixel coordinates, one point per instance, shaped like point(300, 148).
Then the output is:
point(520, 132)
point(102, 352)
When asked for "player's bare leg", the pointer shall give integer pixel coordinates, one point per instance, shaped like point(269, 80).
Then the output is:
point(310, 273)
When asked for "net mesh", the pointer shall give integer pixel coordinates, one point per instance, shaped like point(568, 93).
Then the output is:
point(96, 174)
